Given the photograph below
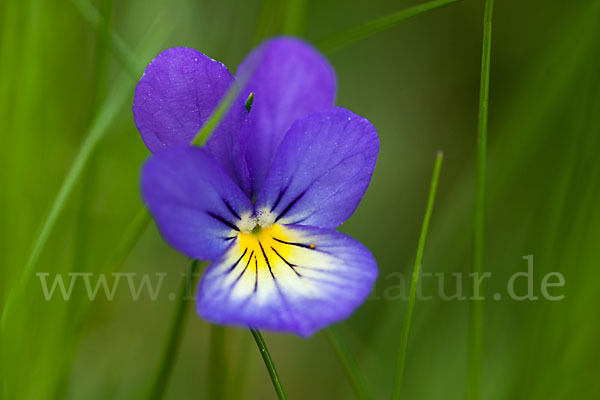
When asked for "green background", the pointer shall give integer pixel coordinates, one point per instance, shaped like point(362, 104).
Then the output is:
point(418, 83)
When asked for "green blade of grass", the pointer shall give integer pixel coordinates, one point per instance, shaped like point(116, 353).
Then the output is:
point(116, 101)
point(264, 352)
point(83, 229)
point(174, 336)
point(117, 46)
point(102, 55)
point(133, 232)
point(116, 259)
point(106, 115)
point(99, 127)
point(217, 359)
point(476, 307)
point(295, 17)
point(217, 115)
point(272, 14)
point(240, 370)
point(397, 391)
point(348, 362)
point(367, 29)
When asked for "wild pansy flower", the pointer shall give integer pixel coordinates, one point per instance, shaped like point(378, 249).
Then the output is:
point(262, 199)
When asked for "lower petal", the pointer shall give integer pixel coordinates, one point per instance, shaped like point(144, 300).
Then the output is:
point(295, 279)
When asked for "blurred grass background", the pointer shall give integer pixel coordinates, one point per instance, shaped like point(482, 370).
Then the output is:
point(418, 83)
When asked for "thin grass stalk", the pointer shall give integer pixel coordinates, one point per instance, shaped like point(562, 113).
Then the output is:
point(87, 193)
point(295, 17)
point(242, 365)
point(218, 369)
point(348, 362)
point(105, 116)
point(476, 306)
point(397, 391)
point(118, 47)
point(175, 334)
point(88, 181)
point(352, 35)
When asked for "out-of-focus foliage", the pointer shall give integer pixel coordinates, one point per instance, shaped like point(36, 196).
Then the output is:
point(418, 84)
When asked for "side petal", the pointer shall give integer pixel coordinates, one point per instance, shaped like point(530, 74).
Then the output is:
point(178, 92)
point(295, 279)
point(290, 79)
point(321, 170)
point(196, 206)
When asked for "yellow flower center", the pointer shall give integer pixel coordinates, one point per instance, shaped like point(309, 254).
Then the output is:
point(268, 246)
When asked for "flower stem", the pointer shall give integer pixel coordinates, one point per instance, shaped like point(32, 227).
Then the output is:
point(348, 362)
point(476, 309)
point(264, 352)
point(174, 336)
point(397, 391)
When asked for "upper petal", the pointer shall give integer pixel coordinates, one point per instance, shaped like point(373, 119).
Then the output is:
point(196, 206)
point(178, 92)
point(321, 170)
point(294, 279)
point(290, 79)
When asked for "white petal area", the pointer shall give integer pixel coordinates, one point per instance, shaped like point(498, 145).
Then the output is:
point(294, 279)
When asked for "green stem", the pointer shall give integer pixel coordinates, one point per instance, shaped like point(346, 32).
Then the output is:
point(348, 362)
point(415, 279)
point(367, 29)
point(174, 336)
point(264, 352)
point(476, 309)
